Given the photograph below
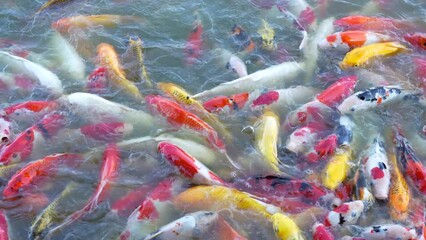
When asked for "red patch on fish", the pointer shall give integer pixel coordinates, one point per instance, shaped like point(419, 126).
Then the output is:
point(266, 98)
point(354, 39)
point(104, 131)
point(179, 158)
point(417, 39)
point(163, 191)
point(98, 82)
point(193, 47)
point(147, 210)
point(125, 205)
point(417, 173)
point(313, 157)
point(344, 208)
point(338, 91)
point(331, 38)
point(322, 233)
point(217, 103)
point(21, 147)
point(34, 106)
point(239, 99)
point(24, 82)
point(306, 17)
point(326, 146)
point(377, 173)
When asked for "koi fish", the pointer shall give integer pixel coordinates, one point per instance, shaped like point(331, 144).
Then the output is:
point(64, 25)
point(399, 194)
point(303, 139)
point(108, 59)
point(22, 147)
point(193, 225)
point(4, 226)
point(268, 36)
point(337, 168)
point(242, 39)
point(45, 78)
point(266, 138)
point(16, 83)
point(109, 169)
point(389, 231)
point(285, 228)
point(320, 232)
point(417, 40)
point(107, 132)
point(157, 209)
point(125, 205)
point(6, 133)
point(373, 97)
point(237, 66)
point(345, 214)
point(188, 166)
point(376, 167)
point(304, 15)
point(181, 96)
point(33, 110)
point(359, 22)
point(193, 46)
point(412, 166)
point(33, 173)
point(226, 104)
point(270, 77)
point(359, 57)
point(97, 81)
point(362, 188)
point(67, 57)
point(352, 39)
point(136, 48)
point(49, 4)
point(180, 117)
point(216, 198)
point(420, 66)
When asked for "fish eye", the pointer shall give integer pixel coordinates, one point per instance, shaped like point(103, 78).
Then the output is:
point(353, 214)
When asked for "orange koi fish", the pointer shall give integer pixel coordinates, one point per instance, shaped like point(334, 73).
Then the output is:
point(227, 104)
point(193, 47)
point(352, 39)
point(63, 25)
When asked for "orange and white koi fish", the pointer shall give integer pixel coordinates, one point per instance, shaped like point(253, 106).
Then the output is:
point(178, 116)
point(33, 173)
point(304, 138)
point(359, 22)
point(345, 214)
point(352, 39)
point(194, 44)
point(388, 231)
point(157, 209)
point(108, 58)
point(109, 172)
point(188, 166)
point(362, 188)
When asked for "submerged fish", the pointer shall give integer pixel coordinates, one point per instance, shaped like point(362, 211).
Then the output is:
point(51, 3)
point(268, 36)
point(193, 47)
point(352, 39)
point(63, 25)
point(136, 47)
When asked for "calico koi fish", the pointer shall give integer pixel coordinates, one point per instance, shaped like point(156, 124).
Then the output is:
point(188, 166)
point(193, 47)
point(180, 117)
point(362, 188)
point(345, 214)
point(108, 58)
point(303, 139)
point(389, 231)
point(352, 39)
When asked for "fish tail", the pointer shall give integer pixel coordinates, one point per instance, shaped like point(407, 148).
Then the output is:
point(69, 220)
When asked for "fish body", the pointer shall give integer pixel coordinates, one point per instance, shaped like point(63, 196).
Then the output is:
point(285, 228)
point(345, 214)
point(33, 172)
point(64, 25)
point(107, 132)
point(333, 95)
point(30, 110)
point(320, 232)
point(266, 138)
point(242, 39)
point(389, 232)
point(362, 188)
point(417, 40)
point(108, 59)
point(43, 76)
point(226, 104)
point(216, 198)
point(352, 39)
point(194, 43)
point(4, 226)
point(136, 48)
point(337, 168)
point(237, 65)
point(376, 166)
point(180, 117)
point(399, 193)
point(372, 98)
point(303, 138)
point(97, 81)
point(188, 166)
point(125, 205)
point(157, 209)
point(49, 4)
point(268, 36)
point(359, 57)
point(311, 112)
point(192, 225)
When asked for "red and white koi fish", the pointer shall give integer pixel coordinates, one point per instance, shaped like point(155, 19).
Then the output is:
point(359, 22)
point(388, 232)
point(16, 83)
point(376, 166)
point(305, 15)
point(373, 97)
point(45, 78)
point(273, 76)
point(193, 225)
point(303, 139)
point(109, 172)
point(320, 232)
point(124, 206)
point(157, 209)
point(417, 40)
point(4, 226)
point(97, 81)
point(225, 104)
point(345, 214)
point(6, 133)
point(35, 171)
point(411, 165)
point(188, 166)
point(352, 39)
point(178, 116)
point(32, 138)
point(31, 110)
point(194, 44)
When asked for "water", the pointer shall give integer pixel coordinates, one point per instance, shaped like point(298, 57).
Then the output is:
point(164, 27)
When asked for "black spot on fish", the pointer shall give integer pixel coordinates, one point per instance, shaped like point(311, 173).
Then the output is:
point(43, 130)
point(341, 219)
point(305, 186)
point(228, 65)
point(382, 165)
point(377, 228)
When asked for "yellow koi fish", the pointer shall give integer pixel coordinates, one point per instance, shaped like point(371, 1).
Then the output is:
point(266, 137)
point(49, 4)
point(183, 97)
point(216, 198)
point(83, 21)
point(268, 36)
point(360, 56)
point(136, 48)
point(285, 228)
point(337, 168)
point(108, 59)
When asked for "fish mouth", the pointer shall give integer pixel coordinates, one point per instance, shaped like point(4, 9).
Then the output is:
point(343, 66)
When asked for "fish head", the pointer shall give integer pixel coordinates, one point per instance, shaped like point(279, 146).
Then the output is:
point(417, 39)
point(285, 228)
point(328, 42)
point(300, 140)
point(217, 104)
point(5, 131)
point(237, 65)
point(20, 149)
point(97, 80)
point(321, 232)
point(309, 112)
point(350, 105)
point(62, 25)
point(307, 17)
